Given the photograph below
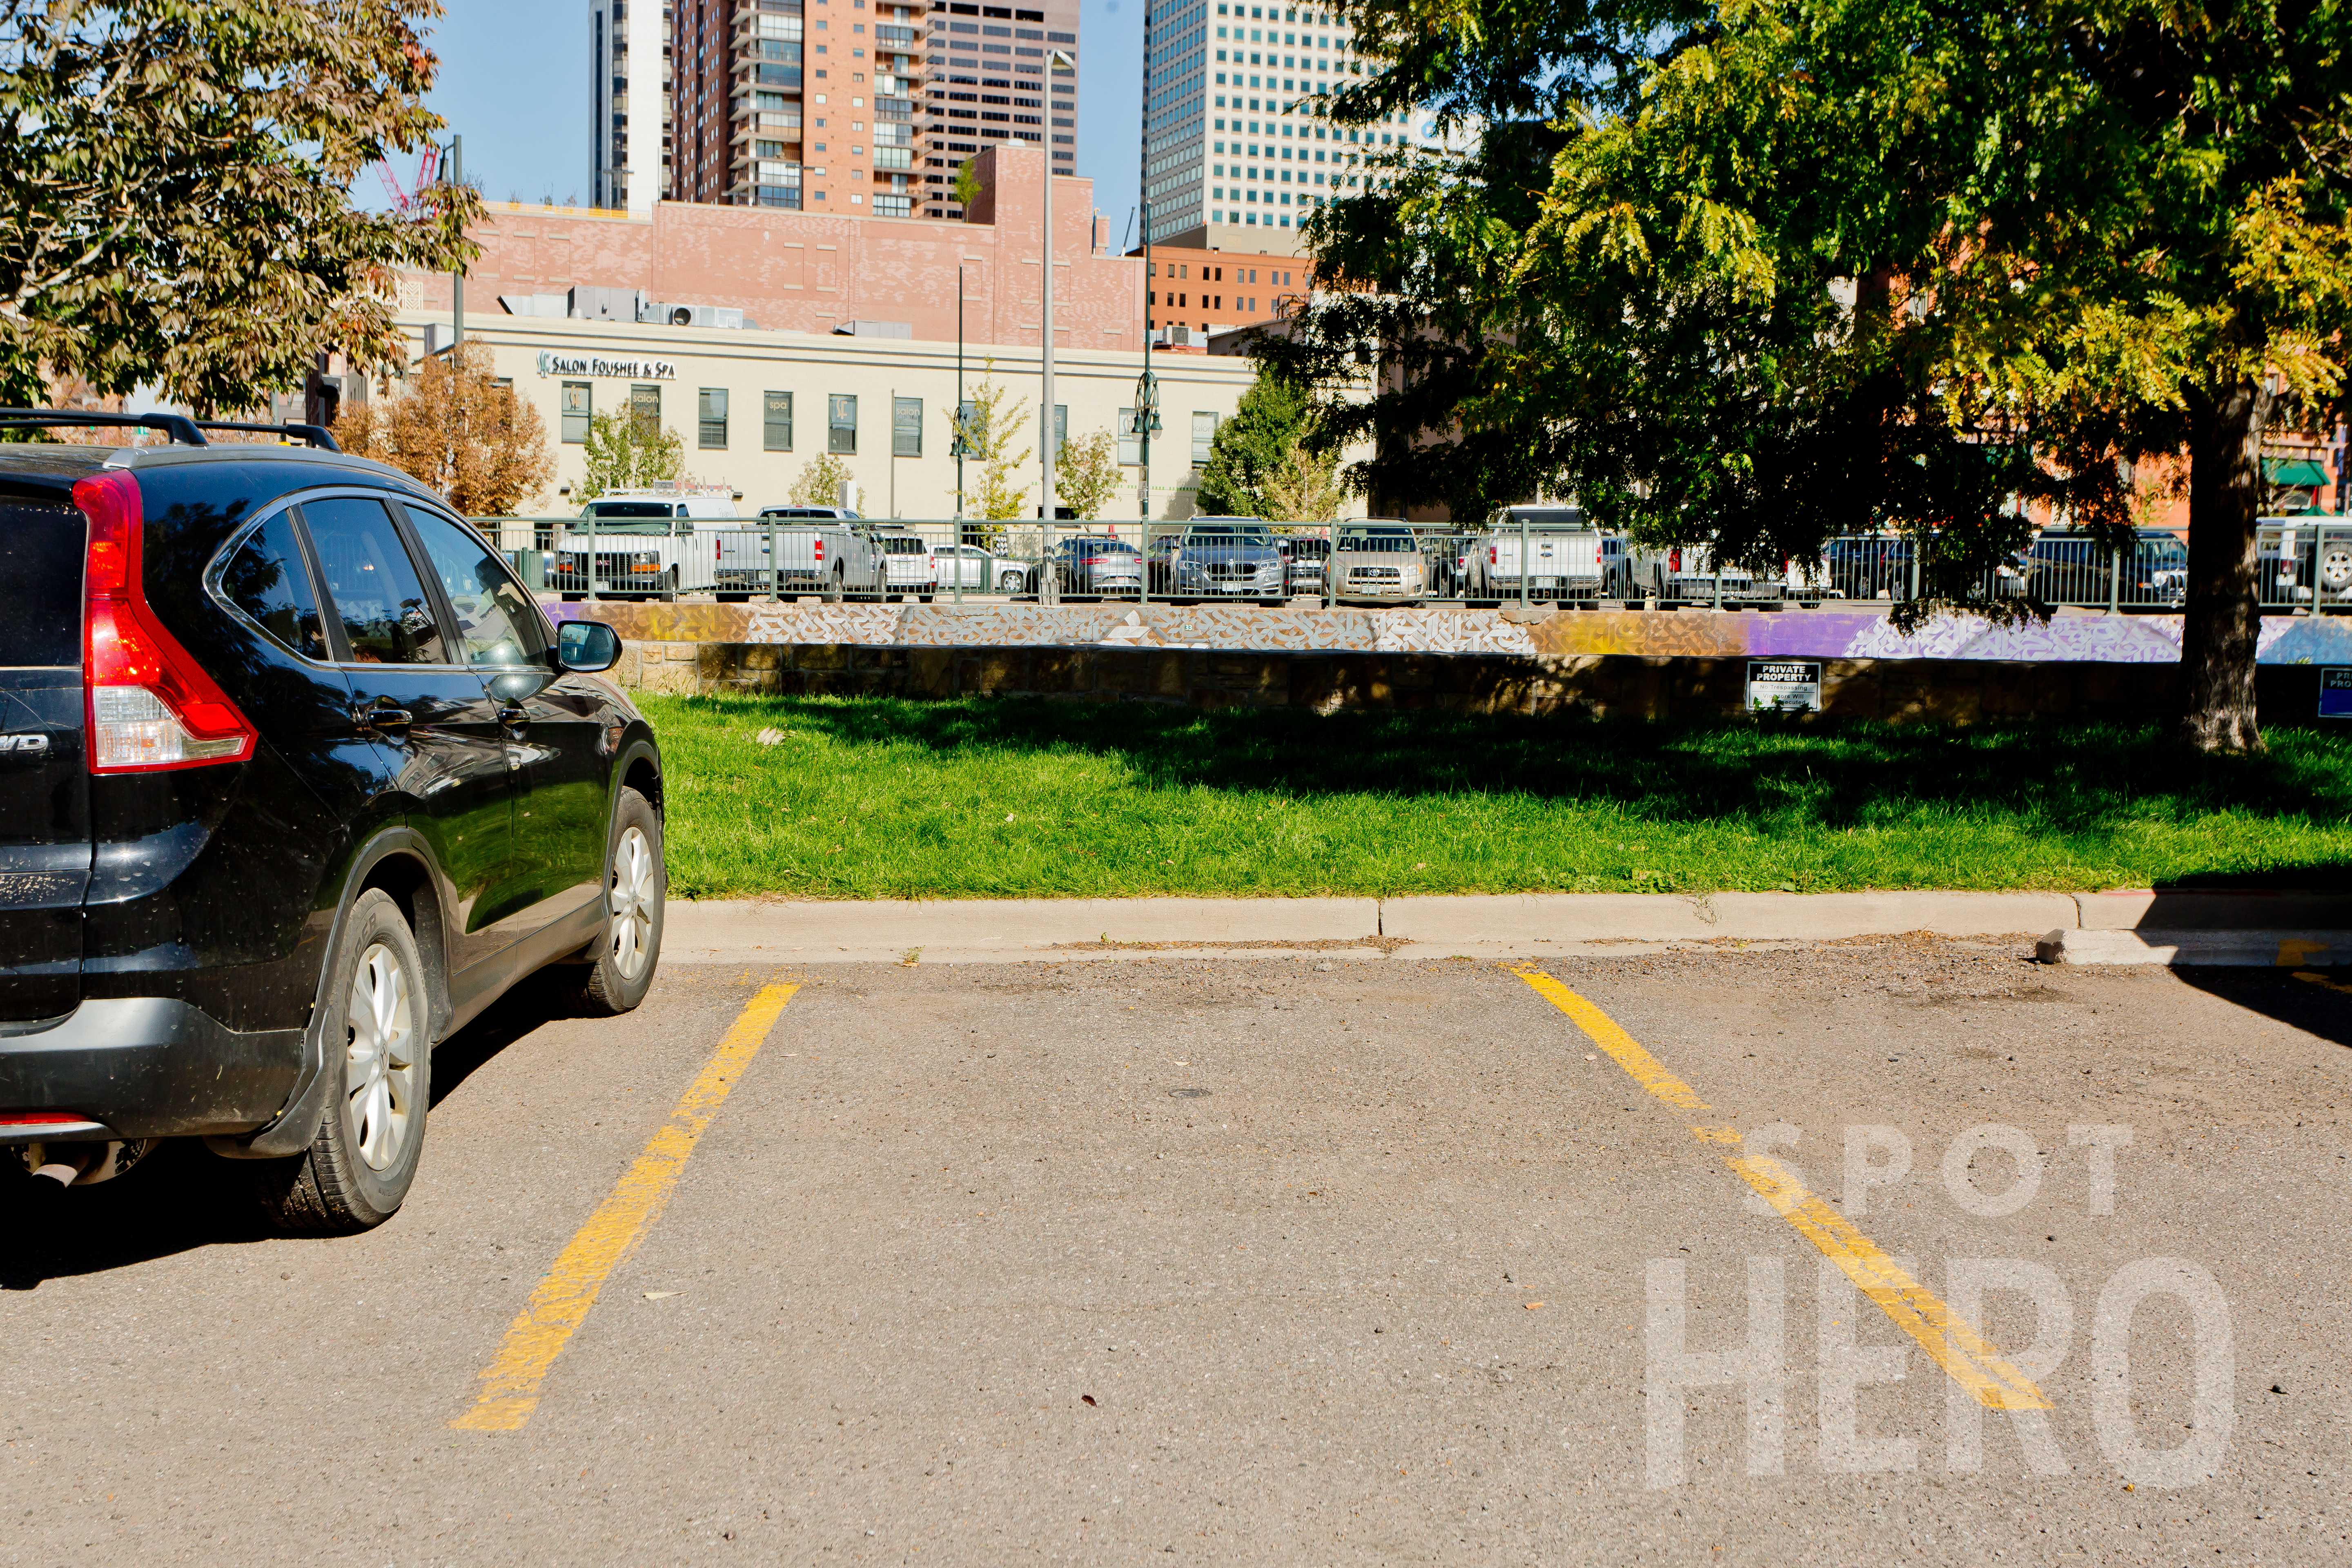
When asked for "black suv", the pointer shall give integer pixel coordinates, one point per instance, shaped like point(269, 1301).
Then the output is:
point(295, 779)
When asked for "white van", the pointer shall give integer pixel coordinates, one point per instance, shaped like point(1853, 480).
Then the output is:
point(646, 545)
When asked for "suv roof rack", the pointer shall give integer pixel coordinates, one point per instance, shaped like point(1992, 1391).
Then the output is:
point(316, 435)
point(181, 429)
point(179, 426)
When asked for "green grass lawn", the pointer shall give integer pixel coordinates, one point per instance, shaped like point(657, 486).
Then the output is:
point(882, 798)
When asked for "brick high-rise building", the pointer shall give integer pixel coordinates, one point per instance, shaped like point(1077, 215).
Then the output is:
point(989, 77)
point(815, 104)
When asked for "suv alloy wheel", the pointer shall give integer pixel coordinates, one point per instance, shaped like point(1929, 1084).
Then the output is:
point(378, 1030)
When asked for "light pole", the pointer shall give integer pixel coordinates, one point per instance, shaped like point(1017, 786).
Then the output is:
point(1147, 386)
point(1059, 62)
point(457, 273)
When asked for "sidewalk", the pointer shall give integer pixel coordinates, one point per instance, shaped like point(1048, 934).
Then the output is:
point(2123, 926)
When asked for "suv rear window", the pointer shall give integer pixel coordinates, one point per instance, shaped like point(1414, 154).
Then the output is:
point(41, 547)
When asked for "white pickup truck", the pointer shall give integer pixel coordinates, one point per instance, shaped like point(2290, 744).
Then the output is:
point(1685, 574)
point(822, 550)
point(646, 543)
point(1562, 549)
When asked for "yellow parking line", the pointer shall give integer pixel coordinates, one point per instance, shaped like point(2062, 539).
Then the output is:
point(560, 1303)
point(1967, 1356)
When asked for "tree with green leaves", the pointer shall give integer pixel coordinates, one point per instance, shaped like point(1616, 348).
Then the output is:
point(1752, 275)
point(1305, 488)
point(1087, 474)
point(629, 450)
point(175, 201)
point(1253, 447)
point(820, 481)
point(967, 184)
point(990, 429)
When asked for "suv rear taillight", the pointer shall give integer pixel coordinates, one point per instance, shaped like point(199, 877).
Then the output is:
point(820, 550)
point(150, 705)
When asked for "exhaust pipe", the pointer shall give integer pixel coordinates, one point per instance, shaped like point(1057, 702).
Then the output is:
point(83, 1164)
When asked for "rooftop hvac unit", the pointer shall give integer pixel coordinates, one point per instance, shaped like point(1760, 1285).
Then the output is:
point(692, 315)
point(596, 303)
point(875, 330)
point(536, 304)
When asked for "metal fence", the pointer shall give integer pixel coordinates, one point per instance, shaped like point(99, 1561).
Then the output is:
point(2305, 564)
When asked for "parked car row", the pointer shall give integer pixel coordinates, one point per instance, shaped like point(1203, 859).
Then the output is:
point(647, 545)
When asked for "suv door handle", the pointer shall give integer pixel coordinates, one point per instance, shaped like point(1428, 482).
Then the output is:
point(383, 718)
point(513, 715)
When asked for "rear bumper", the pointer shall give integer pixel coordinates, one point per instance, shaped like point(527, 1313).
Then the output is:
point(146, 1067)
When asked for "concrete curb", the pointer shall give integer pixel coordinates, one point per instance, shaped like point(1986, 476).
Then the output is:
point(2123, 926)
point(2194, 949)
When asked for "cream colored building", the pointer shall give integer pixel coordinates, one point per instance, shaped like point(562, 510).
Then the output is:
point(753, 409)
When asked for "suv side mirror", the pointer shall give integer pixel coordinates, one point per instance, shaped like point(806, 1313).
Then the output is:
point(586, 646)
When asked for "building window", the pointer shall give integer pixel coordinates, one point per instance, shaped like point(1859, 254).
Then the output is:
point(710, 418)
point(905, 426)
point(776, 422)
point(1205, 431)
point(841, 421)
point(644, 403)
point(579, 406)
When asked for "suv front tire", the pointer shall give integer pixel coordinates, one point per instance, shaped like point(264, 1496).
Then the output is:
point(636, 888)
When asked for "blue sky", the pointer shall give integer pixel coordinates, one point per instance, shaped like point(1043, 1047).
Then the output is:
point(514, 81)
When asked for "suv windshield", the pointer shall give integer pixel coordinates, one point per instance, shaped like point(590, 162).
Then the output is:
point(1228, 534)
point(1377, 541)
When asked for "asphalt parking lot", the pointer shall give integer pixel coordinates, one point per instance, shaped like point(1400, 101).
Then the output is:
point(1300, 1261)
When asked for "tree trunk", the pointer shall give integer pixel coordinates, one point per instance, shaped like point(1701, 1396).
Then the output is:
point(2222, 619)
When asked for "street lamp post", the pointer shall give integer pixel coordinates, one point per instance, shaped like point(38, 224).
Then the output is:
point(1059, 62)
point(1144, 387)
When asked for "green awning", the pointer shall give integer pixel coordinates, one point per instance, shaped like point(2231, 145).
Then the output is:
point(2294, 471)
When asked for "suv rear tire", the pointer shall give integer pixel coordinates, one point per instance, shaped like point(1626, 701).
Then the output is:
point(378, 1029)
point(636, 886)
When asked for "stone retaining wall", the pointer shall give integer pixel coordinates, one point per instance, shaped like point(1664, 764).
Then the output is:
point(1961, 691)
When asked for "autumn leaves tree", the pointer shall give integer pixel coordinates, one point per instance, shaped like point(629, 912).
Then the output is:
point(457, 430)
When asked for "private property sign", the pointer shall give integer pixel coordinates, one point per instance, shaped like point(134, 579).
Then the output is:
point(597, 365)
point(2335, 693)
point(1784, 686)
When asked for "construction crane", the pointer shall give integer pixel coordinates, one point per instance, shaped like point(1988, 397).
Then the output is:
point(409, 203)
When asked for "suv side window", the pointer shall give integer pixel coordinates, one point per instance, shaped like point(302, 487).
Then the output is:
point(497, 622)
point(268, 580)
point(386, 615)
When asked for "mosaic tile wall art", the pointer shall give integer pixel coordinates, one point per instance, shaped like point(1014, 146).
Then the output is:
point(1786, 634)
